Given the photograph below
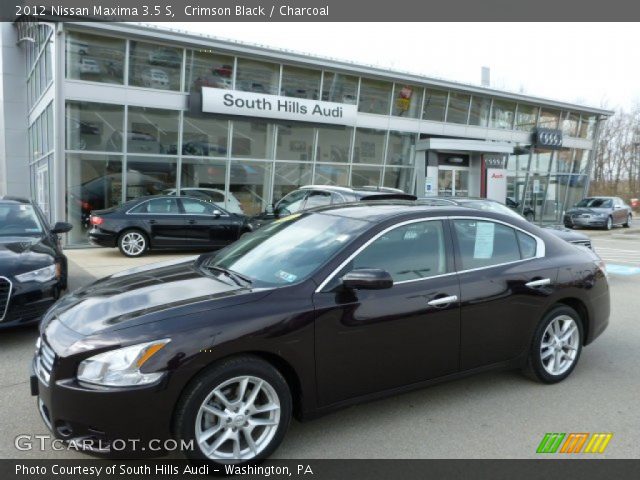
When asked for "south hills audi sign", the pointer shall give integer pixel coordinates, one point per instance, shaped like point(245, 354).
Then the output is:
point(250, 104)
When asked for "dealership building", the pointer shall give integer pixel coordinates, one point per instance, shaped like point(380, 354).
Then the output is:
point(93, 114)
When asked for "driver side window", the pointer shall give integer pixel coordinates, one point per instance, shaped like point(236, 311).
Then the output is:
point(409, 252)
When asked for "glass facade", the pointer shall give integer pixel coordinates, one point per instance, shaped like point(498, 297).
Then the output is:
point(116, 152)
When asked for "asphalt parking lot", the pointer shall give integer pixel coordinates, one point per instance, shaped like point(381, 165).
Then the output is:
point(494, 415)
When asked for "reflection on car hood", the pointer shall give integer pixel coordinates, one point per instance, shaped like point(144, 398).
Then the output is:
point(578, 210)
point(23, 254)
point(146, 295)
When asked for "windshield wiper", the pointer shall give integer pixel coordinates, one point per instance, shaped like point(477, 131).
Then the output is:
point(238, 279)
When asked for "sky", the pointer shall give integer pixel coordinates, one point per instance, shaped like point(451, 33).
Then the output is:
point(594, 64)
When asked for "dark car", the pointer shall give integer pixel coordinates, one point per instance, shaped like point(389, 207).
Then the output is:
point(312, 196)
point(604, 212)
point(492, 205)
point(313, 312)
point(33, 269)
point(165, 222)
point(527, 212)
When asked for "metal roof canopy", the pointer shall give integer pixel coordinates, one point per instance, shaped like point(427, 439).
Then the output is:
point(464, 145)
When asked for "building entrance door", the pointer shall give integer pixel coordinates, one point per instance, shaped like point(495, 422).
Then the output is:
point(453, 181)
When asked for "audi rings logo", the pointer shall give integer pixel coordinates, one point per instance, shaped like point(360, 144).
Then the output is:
point(548, 137)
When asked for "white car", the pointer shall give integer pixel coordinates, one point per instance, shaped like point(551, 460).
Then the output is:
point(212, 195)
point(155, 78)
point(88, 66)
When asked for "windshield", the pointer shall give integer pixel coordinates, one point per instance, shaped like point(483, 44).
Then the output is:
point(288, 250)
point(595, 203)
point(19, 220)
point(491, 207)
point(291, 203)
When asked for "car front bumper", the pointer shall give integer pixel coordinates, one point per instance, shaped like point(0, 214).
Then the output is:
point(28, 302)
point(585, 221)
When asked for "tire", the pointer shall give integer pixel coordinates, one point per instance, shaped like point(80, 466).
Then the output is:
point(229, 424)
point(541, 365)
point(530, 217)
point(628, 223)
point(127, 241)
point(609, 224)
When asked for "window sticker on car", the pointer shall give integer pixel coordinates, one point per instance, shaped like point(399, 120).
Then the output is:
point(287, 277)
point(287, 218)
point(485, 232)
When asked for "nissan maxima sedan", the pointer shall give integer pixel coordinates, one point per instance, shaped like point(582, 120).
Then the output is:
point(315, 311)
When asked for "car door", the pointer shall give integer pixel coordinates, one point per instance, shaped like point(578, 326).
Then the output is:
point(619, 211)
point(208, 225)
point(374, 340)
point(504, 284)
point(162, 220)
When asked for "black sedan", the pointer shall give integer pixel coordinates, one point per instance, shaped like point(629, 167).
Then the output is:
point(604, 212)
point(165, 222)
point(311, 313)
point(33, 269)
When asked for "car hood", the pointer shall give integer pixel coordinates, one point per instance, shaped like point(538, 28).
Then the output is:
point(143, 295)
point(567, 234)
point(23, 254)
point(591, 211)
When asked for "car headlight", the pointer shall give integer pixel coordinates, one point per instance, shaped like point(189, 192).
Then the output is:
point(121, 367)
point(41, 275)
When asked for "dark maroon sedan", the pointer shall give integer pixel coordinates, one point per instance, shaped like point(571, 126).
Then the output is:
point(313, 312)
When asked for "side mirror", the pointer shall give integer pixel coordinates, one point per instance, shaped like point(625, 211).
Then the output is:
point(368, 279)
point(61, 227)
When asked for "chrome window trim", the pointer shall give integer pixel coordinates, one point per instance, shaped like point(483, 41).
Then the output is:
point(540, 249)
point(6, 306)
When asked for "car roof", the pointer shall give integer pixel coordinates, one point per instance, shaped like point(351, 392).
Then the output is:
point(363, 190)
point(14, 200)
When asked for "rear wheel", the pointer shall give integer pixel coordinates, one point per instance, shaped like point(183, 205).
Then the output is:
point(628, 223)
point(556, 345)
point(237, 412)
point(609, 224)
point(133, 243)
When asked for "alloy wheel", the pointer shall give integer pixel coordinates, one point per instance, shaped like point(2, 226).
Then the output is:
point(133, 243)
point(559, 346)
point(238, 419)
point(609, 223)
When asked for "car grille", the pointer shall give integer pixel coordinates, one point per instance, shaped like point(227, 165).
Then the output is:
point(585, 243)
point(45, 357)
point(27, 313)
point(5, 294)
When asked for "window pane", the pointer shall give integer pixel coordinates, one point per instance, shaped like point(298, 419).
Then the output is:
point(527, 245)
point(541, 161)
point(163, 206)
point(252, 139)
point(195, 207)
point(94, 182)
point(396, 177)
point(94, 58)
point(407, 101)
point(331, 175)
point(295, 142)
point(259, 77)
point(365, 176)
point(369, 146)
point(375, 96)
point(207, 69)
point(526, 117)
point(484, 244)
point(152, 130)
point(502, 114)
point(563, 161)
point(399, 148)
point(317, 199)
point(94, 126)
point(204, 178)
point(570, 123)
point(549, 118)
point(480, 107)
point(435, 104)
point(587, 126)
point(581, 162)
point(290, 176)
point(409, 252)
point(149, 175)
point(340, 88)
point(154, 66)
point(204, 135)
point(250, 184)
point(300, 82)
point(333, 144)
point(458, 107)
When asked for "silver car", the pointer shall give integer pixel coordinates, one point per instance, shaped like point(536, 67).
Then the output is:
point(603, 212)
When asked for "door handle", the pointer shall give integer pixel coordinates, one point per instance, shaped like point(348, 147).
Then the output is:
point(538, 283)
point(436, 302)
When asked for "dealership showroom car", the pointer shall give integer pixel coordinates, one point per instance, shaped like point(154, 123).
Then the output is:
point(33, 268)
point(570, 236)
point(316, 311)
point(604, 212)
point(165, 222)
point(312, 196)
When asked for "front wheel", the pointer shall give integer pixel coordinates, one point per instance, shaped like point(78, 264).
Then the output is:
point(133, 243)
point(628, 223)
point(237, 412)
point(609, 224)
point(556, 346)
